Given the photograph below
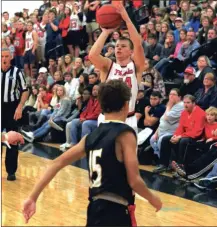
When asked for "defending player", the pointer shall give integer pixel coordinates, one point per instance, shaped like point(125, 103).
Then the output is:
point(126, 69)
point(113, 166)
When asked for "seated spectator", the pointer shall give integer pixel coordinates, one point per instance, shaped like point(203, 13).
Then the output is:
point(154, 49)
point(87, 120)
point(83, 83)
point(169, 121)
point(68, 63)
point(93, 79)
point(194, 22)
point(61, 111)
point(52, 66)
point(191, 84)
point(172, 18)
point(163, 33)
point(61, 65)
point(42, 102)
point(88, 66)
point(207, 96)
point(42, 77)
point(152, 80)
point(208, 158)
point(202, 33)
point(179, 24)
point(204, 67)
point(185, 11)
point(143, 32)
point(10, 45)
point(190, 128)
point(80, 107)
point(110, 48)
point(78, 68)
point(71, 84)
point(151, 114)
point(58, 79)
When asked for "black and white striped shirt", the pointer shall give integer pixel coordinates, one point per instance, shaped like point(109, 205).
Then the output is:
point(13, 84)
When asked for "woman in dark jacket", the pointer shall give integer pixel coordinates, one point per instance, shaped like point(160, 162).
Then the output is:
point(207, 96)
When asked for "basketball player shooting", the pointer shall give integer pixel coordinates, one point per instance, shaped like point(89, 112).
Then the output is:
point(113, 165)
point(126, 69)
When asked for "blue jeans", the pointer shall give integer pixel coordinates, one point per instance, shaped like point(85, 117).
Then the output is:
point(44, 129)
point(46, 112)
point(156, 144)
point(19, 62)
point(86, 128)
point(213, 173)
point(162, 65)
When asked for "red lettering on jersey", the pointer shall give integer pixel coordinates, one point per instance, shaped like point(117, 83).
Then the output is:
point(128, 81)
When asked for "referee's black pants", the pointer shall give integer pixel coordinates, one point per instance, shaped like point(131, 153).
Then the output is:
point(8, 123)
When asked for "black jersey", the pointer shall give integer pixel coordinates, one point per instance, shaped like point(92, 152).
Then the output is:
point(106, 173)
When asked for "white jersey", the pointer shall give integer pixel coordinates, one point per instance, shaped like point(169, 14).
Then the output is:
point(128, 75)
point(29, 41)
point(75, 23)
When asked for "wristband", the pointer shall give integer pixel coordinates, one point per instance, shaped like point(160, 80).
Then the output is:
point(6, 141)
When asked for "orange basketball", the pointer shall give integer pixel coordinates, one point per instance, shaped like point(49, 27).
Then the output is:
point(108, 17)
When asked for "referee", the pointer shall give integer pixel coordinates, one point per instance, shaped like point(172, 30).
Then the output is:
point(14, 94)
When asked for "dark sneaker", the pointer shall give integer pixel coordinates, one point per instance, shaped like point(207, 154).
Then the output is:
point(160, 169)
point(11, 177)
point(210, 183)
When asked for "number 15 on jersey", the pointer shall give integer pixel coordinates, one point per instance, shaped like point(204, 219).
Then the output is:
point(95, 167)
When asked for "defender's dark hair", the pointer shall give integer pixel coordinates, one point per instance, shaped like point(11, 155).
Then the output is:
point(113, 95)
point(129, 40)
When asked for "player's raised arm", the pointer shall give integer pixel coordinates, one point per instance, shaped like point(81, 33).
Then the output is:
point(138, 56)
point(75, 153)
point(128, 145)
point(95, 56)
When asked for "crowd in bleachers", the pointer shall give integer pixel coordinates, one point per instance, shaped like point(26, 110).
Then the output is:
point(177, 97)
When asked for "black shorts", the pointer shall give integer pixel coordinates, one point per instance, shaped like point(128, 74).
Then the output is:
point(105, 213)
point(29, 57)
point(74, 38)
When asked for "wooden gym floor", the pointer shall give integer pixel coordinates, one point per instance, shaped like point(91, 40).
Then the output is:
point(64, 201)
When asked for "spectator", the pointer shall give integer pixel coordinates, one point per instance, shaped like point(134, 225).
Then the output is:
point(152, 80)
point(190, 128)
point(40, 29)
point(10, 45)
point(90, 8)
point(110, 48)
point(154, 49)
point(207, 160)
point(77, 69)
point(52, 35)
point(19, 43)
point(207, 96)
point(61, 65)
point(194, 23)
point(31, 42)
point(204, 4)
point(88, 67)
point(172, 18)
point(74, 35)
point(71, 86)
point(61, 111)
point(64, 26)
point(152, 114)
point(93, 79)
point(185, 11)
point(169, 121)
point(210, 12)
point(58, 78)
point(88, 118)
point(43, 8)
point(68, 63)
point(179, 24)
point(80, 108)
point(143, 31)
point(5, 31)
point(52, 66)
point(191, 84)
point(25, 16)
point(202, 34)
point(163, 33)
point(151, 28)
point(6, 19)
point(204, 67)
point(83, 83)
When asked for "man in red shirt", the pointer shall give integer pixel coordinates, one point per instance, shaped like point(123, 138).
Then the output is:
point(88, 118)
point(19, 43)
point(191, 126)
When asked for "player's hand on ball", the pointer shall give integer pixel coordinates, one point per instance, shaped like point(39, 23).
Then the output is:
point(156, 202)
point(121, 9)
point(108, 31)
point(29, 208)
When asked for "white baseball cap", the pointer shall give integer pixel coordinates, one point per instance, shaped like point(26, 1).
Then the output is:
point(42, 70)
